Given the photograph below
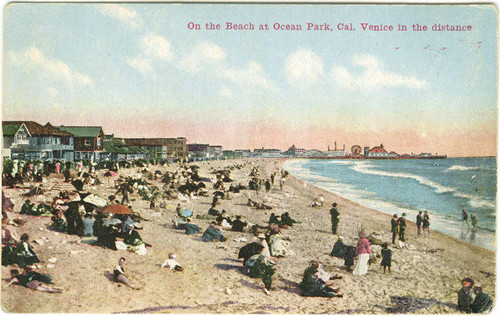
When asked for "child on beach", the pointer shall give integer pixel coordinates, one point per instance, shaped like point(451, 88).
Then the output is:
point(119, 274)
point(172, 263)
point(386, 257)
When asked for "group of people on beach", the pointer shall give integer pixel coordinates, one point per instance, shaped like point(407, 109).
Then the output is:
point(261, 257)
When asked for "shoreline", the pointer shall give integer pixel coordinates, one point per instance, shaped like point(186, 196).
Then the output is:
point(408, 219)
point(430, 268)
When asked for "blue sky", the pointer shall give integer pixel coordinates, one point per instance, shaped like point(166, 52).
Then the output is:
point(137, 70)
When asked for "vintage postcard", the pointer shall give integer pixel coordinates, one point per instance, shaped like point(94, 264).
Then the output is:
point(249, 158)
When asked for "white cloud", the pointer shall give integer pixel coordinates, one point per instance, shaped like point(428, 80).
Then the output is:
point(140, 64)
point(225, 92)
point(120, 13)
point(203, 54)
point(373, 76)
point(248, 77)
point(32, 57)
point(52, 92)
point(303, 68)
point(156, 46)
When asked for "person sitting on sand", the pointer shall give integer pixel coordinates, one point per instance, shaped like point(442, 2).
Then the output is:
point(482, 302)
point(133, 241)
point(313, 285)
point(172, 263)
point(191, 228)
point(251, 203)
point(29, 280)
point(212, 234)
point(25, 254)
point(27, 208)
point(238, 224)
point(222, 217)
point(213, 211)
point(261, 266)
point(273, 219)
point(465, 298)
point(287, 220)
point(119, 274)
point(339, 248)
point(277, 244)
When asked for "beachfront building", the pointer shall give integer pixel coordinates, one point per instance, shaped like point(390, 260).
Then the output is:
point(156, 147)
point(293, 151)
point(198, 151)
point(14, 135)
point(378, 152)
point(28, 140)
point(245, 153)
point(267, 153)
point(89, 141)
point(313, 153)
point(177, 149)
point(118, 151)
point(214, 151)
point(231, 154)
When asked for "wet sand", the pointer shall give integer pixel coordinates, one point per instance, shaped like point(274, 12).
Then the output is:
point(213, 280)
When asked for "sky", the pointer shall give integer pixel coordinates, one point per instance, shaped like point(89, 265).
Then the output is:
point(139, 70)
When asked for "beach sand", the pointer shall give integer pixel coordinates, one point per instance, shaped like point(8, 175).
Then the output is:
point(213, 280)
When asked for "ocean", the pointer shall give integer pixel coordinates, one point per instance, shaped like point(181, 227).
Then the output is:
point(443, 187)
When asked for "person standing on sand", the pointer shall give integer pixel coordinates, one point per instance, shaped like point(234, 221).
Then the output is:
point(363, 252)
point(394, 228)
point(419, 223)
point(282, 182)
point(402, 227)
point(386, 257)
point(426, 223)
point(335, 218)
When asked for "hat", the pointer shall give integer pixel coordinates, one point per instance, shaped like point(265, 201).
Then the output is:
point(261, 235)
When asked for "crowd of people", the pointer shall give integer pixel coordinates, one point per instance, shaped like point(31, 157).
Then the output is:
point(261, 257)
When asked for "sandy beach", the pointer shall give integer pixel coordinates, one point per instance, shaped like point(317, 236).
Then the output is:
point(213, 280)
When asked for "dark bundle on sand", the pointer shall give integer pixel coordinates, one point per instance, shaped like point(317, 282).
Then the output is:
point(249, 250)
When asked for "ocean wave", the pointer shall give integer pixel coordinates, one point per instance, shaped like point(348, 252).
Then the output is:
point(365, 167)
point(477, 202)
point(461, 168)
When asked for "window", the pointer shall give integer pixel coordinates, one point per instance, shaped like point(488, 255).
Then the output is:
point(87, 142)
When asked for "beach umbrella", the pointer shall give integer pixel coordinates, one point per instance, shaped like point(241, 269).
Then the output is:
point(110, 173)
point(95, 200)
point(186, 212)
point(64, 186)
point(116, 209)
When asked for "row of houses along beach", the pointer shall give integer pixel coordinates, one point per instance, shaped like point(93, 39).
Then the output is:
point(29, 140)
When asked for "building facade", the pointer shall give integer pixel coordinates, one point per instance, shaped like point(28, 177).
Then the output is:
point(88, 141)
point(28, 140)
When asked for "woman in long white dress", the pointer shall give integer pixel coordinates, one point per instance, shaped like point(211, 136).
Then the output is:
point(363, 253)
